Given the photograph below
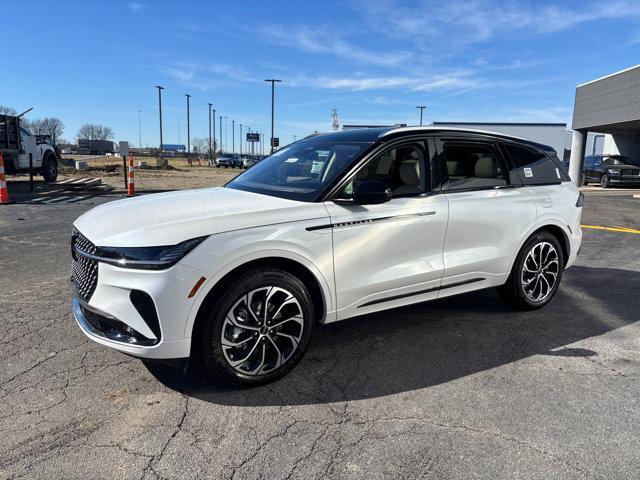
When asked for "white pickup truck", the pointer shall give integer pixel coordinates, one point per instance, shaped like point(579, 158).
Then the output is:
point(16, 143)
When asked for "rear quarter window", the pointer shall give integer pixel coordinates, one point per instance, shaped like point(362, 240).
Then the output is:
point(536, 167)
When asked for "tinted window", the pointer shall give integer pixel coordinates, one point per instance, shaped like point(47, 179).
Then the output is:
point(300, 171)
point(589, 161)
point(471, 166)
point(402, 168)
point(535, 166)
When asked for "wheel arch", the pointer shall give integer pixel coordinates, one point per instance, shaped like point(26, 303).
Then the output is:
point(310, 276)
point(555, 229)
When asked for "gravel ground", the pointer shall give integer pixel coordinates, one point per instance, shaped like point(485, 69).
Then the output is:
point(457, 388)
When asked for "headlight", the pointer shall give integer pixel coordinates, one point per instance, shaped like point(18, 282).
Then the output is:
point(613, 171)
point(144, 258)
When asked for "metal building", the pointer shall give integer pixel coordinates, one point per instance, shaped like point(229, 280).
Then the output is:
point(608, 105)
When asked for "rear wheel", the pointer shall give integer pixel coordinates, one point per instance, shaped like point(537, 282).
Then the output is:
point(50, 168)
point(259, 330)
point(604, 181)
point(536, 273)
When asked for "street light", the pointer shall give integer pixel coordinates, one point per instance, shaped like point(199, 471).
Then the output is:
point(139, 134)
point(214, 136)
point(240, 142)
point(160, 110)
point(226, 132)
point(233, 137)
point(421, 107)
point(210, 157)
point(220, 117)
point(273, 93)
point(188, 130)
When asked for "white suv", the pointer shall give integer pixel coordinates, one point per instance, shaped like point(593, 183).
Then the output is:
point(330, 227)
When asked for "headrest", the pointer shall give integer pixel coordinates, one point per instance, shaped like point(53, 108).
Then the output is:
point(410, 172)
point(455, 168)
point(486, 167)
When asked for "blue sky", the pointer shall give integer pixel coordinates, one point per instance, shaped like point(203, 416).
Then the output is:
point(473, 60)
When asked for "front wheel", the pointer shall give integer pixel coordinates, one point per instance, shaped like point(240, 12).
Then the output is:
point(536, 273)
point(259, 330)
point(50, 168)
point(604, 181)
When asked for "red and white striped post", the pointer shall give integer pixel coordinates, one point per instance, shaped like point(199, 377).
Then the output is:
point(4, 191)
point(131, 184)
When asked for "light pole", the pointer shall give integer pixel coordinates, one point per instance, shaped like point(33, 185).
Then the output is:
point(139, 134)
point(233, 137)
point(210, 154)
point(188, 130)
point(273, 94)
point(214, 136)
point(160, 110)
point(220, 117)
point(240, 142)
point(421, 107)
point(226, 133)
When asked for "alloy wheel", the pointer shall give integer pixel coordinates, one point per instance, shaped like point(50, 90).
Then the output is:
point(540, 271)
point(262, 330)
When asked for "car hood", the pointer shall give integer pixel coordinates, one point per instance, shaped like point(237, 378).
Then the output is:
point(172, 217)
point(624, 167)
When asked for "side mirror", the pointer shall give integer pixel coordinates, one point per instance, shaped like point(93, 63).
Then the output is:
point(370, 192)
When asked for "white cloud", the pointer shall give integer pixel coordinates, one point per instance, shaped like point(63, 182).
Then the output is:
point(470, 21)
point(135, 7)
point(327, 40)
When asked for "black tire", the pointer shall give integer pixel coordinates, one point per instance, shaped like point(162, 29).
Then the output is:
point(215, 320)
point(514, 291)
point(604, 181)
point(49, 169)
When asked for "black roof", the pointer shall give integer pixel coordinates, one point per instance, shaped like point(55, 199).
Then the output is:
point(372, 135)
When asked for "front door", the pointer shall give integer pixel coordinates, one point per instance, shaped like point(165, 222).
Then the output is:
point(389, 254)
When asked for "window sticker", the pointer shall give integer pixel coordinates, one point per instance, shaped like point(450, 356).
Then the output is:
point(558, 172)
point(528, 172)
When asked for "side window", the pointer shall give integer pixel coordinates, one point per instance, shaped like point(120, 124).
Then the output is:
point(589, 161)
point(471, 166)
point(534, 166)
point(402, 168)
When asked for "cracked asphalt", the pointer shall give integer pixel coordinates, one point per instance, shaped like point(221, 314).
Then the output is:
point(457, 388)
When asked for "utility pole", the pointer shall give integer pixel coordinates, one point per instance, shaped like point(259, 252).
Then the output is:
point(160, 110)
point(421, 107)
point(233, 137)
point(210, 151)
point(273, 94)
point(188, 130)
point(139, 134)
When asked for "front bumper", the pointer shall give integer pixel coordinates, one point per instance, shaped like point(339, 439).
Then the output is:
point(112, 304)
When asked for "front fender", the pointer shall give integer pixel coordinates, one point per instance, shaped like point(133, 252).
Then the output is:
point(221, 254)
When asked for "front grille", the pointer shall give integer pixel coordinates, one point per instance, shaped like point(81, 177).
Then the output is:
point(84, 271)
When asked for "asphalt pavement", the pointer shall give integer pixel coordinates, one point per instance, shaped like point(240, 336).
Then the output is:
point(458, 388)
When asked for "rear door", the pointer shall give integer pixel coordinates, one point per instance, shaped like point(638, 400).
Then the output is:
point(488, 212)
point(389, 254)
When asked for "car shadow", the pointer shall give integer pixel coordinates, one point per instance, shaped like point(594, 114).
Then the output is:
point(432, 343)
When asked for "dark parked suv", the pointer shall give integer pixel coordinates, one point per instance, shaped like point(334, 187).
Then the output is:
point(611, 169)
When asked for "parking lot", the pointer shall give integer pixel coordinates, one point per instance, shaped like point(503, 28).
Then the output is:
point(458, 388)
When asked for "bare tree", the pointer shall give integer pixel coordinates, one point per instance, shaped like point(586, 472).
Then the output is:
point(200, 145)
point(36, 126)
point(7, 110)
point(92, 131)
point(53, 127)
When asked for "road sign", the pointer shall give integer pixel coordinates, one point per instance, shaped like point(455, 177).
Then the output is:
point(253, 137)
point(275, 142)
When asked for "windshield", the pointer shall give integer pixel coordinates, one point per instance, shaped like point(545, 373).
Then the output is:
point(300, 171)
point(620, 160)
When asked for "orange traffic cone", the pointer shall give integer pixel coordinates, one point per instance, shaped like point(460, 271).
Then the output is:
point(4, 191)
